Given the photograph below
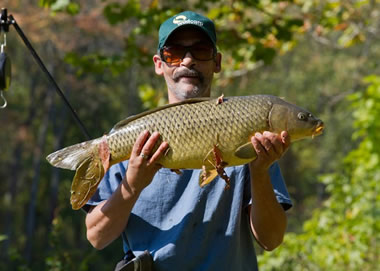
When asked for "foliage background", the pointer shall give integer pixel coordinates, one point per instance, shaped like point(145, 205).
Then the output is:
point(323, 55)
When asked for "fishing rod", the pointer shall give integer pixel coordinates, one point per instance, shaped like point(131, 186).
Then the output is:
point(5, 66)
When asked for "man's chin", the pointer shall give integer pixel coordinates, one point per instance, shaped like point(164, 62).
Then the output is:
point(189, 80)
point(186, 92)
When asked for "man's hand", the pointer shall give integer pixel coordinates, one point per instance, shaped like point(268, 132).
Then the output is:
point(143, 163)
point(269, 148)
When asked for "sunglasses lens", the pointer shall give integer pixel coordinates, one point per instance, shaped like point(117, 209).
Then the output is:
point(202, 51)
point(175, 53)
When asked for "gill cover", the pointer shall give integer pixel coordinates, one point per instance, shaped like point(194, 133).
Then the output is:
point(278, 118)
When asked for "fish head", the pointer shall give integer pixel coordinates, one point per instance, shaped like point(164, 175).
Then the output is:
point(298, 122)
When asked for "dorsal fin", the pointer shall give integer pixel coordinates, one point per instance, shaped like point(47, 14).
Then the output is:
point(134, 117)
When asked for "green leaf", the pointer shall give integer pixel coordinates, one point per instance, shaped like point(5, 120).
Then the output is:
point(3, 237)
point(60, 5)
point(73, 8)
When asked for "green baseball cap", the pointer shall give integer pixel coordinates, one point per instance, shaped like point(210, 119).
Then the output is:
point(186, 18)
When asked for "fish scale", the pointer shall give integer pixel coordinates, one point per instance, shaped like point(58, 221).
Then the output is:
point(201, 133)
point(192, 130)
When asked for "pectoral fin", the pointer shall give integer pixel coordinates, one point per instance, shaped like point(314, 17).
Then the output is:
point(246, 151)
point(207, 176)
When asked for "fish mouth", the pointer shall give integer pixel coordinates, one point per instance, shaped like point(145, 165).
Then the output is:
point(318, 129)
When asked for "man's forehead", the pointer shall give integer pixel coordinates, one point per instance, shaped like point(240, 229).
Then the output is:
point(187, 34)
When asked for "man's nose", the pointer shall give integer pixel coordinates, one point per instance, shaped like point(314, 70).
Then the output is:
point(188, 60)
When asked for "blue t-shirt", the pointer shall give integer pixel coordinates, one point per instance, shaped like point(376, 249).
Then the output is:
point(186, 227)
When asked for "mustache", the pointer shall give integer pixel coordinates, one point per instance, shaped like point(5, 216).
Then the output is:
point(188, 73)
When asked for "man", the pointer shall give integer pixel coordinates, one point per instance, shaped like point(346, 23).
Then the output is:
point(183, 226)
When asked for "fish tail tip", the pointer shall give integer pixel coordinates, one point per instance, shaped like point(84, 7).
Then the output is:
point(70, 157)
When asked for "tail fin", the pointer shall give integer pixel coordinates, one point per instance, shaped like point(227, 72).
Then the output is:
point(71, 157)
point(86, 180)
point(90, 159)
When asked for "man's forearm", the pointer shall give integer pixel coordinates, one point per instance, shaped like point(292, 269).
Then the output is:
point(267, 217)
point(107, 221)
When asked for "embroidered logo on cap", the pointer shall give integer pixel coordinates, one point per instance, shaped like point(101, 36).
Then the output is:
point(182, 19)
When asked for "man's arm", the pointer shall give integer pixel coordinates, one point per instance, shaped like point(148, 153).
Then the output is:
point(106, 221)
point(267, 217)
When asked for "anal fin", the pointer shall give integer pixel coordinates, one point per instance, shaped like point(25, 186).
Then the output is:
point(207, 176)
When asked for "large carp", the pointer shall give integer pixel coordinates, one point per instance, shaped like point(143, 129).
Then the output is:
point(202, 133)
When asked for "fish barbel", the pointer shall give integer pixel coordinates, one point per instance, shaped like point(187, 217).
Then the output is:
point(202, 133)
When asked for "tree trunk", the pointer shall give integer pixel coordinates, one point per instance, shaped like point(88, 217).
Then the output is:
point(37, 158)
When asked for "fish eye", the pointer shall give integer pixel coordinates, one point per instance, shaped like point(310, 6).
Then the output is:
point(302, 116)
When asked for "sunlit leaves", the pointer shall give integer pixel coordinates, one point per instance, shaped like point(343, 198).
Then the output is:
point(150, 97)
point(117, 12)
point(343, 234)
point(3, 237)
point(46, 3)
point(369, 104)
point(252, 33)
point(69, 6)
point(343, 22)
point(249, 32)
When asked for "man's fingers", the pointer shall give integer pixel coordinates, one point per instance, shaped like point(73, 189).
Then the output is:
point(149, 145)
point(259, 148)
point(285, 137)
point(144, 146)
point(140, 141)
point(267, 141)
point(274, 142)
point(159, 152)
point(269, 147)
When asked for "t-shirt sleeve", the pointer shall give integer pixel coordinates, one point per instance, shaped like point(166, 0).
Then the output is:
point(279, 186)
point(107, 185)
point(278, 183)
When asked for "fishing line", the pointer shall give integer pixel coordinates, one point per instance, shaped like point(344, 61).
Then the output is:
point(5, 22)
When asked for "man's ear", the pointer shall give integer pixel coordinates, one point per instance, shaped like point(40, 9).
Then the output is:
point(158, 65)
point(218, 62)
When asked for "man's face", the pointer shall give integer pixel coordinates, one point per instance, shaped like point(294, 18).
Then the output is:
point(189, 78)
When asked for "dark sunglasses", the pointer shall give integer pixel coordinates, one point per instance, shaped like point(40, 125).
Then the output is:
point(173, 54)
